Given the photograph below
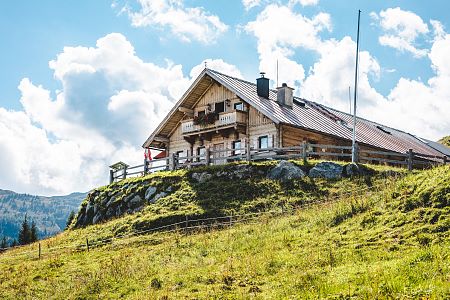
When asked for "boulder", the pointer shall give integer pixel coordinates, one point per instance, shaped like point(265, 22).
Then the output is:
point(135, 202)
point(97, 218)
point(150, 192)
point(327, 170)
point(285, 171)
point(158, 196)
point(352, 170)
point(201, 177)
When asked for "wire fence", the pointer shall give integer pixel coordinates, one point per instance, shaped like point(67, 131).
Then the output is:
point(36, 251)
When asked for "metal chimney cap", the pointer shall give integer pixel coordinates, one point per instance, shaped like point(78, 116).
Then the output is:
point(284, 84)
point(262, 74)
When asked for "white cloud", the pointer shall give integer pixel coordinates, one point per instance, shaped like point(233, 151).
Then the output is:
point(188, 23)
point(110, 102)
point(218, 65)
point(304, 2)
point(402, 28)
point(279, 31)
point(248, 4)
point(416, 107)
point(333, 73)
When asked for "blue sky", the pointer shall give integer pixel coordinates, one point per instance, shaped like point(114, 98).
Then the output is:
point(70, 73)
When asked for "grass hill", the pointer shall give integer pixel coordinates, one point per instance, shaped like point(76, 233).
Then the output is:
point(49, 213)
point(369, 237)
point(445, 141)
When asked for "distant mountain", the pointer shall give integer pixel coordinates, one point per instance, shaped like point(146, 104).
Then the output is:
point(49, 213)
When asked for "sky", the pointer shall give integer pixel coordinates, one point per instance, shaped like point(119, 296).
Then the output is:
point(83, 84)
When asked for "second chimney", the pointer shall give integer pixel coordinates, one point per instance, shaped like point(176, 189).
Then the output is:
point(285, 95)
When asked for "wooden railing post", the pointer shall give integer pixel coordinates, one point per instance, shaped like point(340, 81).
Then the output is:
point(304, 152)
point(410, 159)
point(208, 156)
point(111, 176)
point(247, 150)
point(39, 250)
point(124, 175)
point(145, 166)
point(444, 160)
point(174, 161)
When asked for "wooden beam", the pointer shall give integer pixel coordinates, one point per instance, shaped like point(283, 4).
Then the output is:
point(161, 139)
point(187, 111)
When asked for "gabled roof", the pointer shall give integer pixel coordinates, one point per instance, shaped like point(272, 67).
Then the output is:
point(304, 114)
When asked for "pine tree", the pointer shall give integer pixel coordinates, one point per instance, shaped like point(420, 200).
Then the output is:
point(3, 244)
point(24, 232)
point(70, 219)
point(33, 233)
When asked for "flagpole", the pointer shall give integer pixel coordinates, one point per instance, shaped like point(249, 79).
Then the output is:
point(355, 94)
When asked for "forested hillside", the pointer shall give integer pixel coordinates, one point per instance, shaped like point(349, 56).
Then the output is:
point(49, 213)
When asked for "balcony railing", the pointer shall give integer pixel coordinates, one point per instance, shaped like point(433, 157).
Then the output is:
point(225, 119)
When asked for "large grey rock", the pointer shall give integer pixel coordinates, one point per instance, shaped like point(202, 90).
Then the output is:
point(157, 197)
point(201, 177)
point(97, 218)
point(327, 170)
point(110, 212)
point(352, 170)
point(135, 202)
point(150, 192)
point(285, 171)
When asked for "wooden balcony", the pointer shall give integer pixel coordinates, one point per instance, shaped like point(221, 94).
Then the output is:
point(225, 120)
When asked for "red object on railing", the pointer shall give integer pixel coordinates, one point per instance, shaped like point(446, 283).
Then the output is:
point(147, 154)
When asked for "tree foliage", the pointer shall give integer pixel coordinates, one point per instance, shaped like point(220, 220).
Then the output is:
point(27, 232)
point(70, 219)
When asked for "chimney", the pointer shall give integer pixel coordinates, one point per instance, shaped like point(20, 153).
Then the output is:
point(285, 95)
point(262, 86)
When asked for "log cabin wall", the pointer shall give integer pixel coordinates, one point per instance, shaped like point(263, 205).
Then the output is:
point(260, 125)
point(216, 93)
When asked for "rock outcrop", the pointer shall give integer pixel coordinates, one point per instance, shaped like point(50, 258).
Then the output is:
point(328, 170)
point(285, 171)
point(134, 195)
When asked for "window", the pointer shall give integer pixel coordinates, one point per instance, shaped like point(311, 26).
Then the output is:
point(201, 151)
point(182, 155)
point(263, 142)
point(239, 106)
point(219, 107)
point(237, 145)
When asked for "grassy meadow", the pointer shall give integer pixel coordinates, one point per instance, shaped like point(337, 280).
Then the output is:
point(390, 241)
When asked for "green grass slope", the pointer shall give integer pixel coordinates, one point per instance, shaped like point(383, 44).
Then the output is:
point(389, 242)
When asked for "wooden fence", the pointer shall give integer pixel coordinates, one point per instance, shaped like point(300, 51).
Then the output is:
point(410, 159)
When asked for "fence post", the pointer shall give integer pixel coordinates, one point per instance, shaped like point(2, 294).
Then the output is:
point(444, 159)
point(410, 159)
point(174, 161)
point(247, 150)
point(145, 167)
point(304, 151)
point(356, 152)
point(208, 156)
point(186, 225)
point(111, 176)
point(39, 250)
point(124, 175)
point(87, 244)
point(231, 219)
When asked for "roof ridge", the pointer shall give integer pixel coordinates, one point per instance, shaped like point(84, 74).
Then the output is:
point(240, 79)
